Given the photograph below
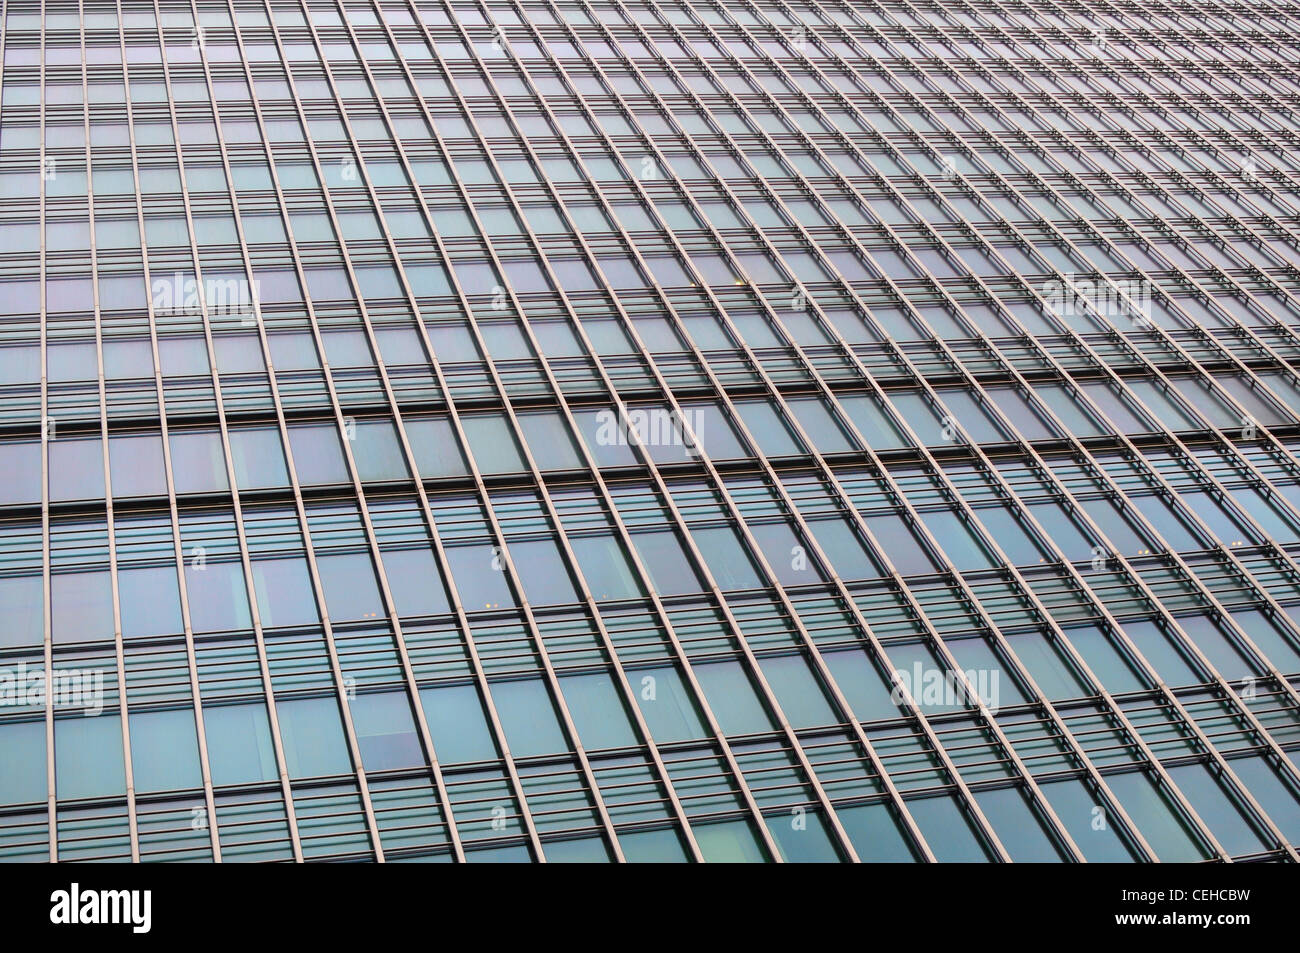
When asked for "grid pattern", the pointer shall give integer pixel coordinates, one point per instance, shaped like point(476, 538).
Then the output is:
point(786, 431)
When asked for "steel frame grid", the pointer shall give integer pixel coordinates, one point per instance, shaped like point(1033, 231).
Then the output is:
point(713, 476)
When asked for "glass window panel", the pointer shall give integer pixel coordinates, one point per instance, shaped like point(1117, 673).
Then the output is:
point(1227, 657)
point(667, 704)
point(1155, 815)
point(317, 454)
point(961, 547)
point(949, 829)
point(23, 780)
point(151, 601)
point(867, 689)
point(1272, 637)
point(903, 547)
point(1221, 811)
point(164, 751)
point(666, 561)
point(1048, 666)
point(849, 555)
point(415, 582)
point(76, 468)
point(458, 724)
point(528, 717)
point(82, 606)
point(239, 743)
point(377, 453)
point(386, 731)
point(542, 572)
point(798, 691)
point(730, 842)
point(877, 834)
point(934, 688)
point(727, 557)
point(259, 458)
point(1019, 827)
point(314, 743)
point(351, 590)
point(1277, 796)
point(1172, 663)
point(790, 560)
point(480, 577)
point(550, 441)
point(871, 421)
point(88, 757)
point(733, 697)
point(598, 712)
point(22, 606)
point(769, 429)
point(284, 592)
point(136, 465)
point(436, 449)
point(1079, 810)
point(821, 426)
point(606, 568)
point(802, 838)
point(21, 465)
point(1062, 531)
point(217, 595)
point(663, 846)
point(493, 444)
point(198, 461)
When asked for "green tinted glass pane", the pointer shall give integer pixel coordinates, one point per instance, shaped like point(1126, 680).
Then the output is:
point(667, 703)
point(665, 846)
point(1094, 828)
point(1155, 815)
point(949, 830)
point(732, 695)
point(730, 842)
point(1020, 828)
point(598, 711)
point(876, 834)
point(802, 838)
point(458, 724)
point(528, 717)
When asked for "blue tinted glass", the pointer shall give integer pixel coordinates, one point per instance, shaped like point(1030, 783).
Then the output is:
point(164, 751)
point(88, 757)
point(386, 731)
point(314, 744)
point(239, 743)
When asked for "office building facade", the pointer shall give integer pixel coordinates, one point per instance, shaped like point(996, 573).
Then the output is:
point(630, 430)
